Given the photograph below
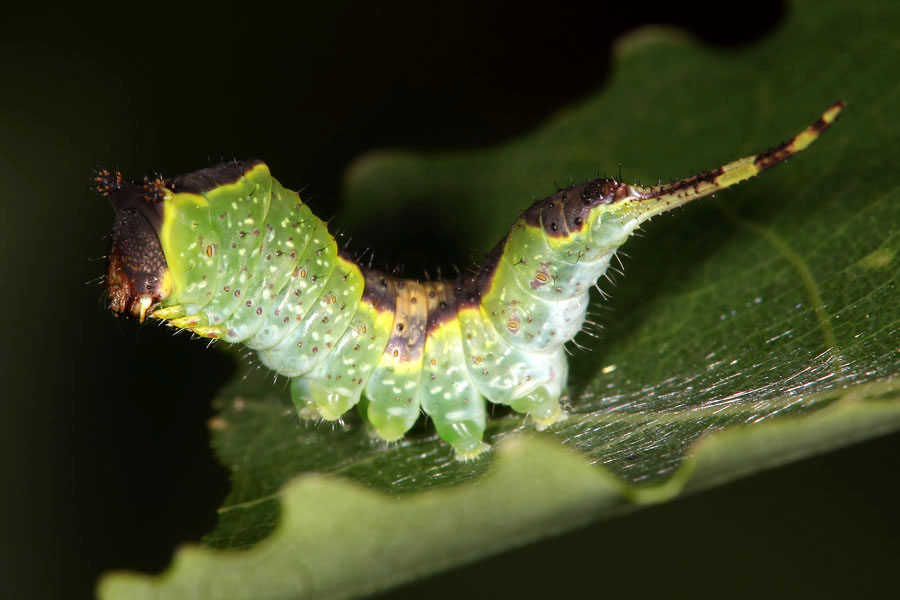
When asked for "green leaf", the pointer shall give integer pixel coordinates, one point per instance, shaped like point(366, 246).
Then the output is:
point(752, 329)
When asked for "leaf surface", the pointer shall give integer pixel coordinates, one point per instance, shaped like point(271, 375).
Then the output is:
point(752, 329)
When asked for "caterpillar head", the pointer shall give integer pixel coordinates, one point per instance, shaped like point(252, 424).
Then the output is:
point(137, 276)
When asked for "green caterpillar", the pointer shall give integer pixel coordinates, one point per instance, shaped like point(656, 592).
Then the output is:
point(228, 253)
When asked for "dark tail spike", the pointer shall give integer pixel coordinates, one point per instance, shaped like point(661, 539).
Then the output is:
point(662, 198)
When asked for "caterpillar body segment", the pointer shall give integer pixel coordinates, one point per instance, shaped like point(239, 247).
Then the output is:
point(315, 255)
point(336, 384)
point(393, 388)
point(237, 217)
point(321, 324)
point(285, 235)
point(448, 393)
point(228, 253)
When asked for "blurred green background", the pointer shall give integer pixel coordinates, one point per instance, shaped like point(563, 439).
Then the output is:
point(104, 442)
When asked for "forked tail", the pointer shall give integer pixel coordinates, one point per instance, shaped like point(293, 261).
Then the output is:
point(669, 196)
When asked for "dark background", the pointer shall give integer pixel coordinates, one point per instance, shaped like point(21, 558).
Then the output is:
point(102, 473)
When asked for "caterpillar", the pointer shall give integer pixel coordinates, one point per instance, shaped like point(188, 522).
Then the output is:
point(228, 253)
